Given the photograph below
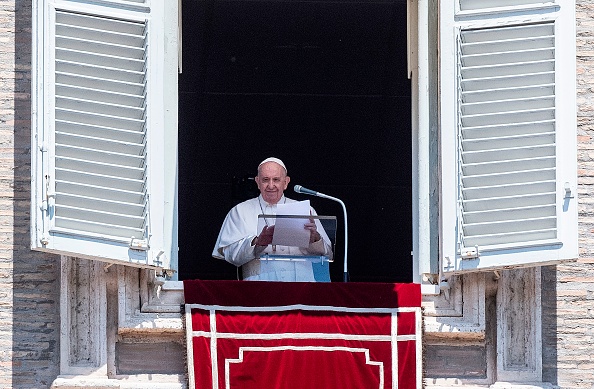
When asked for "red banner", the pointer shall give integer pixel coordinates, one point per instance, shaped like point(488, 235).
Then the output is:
point(303, 335)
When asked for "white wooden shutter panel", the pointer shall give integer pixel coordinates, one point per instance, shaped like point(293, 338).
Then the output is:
point(507, 135)
point(511, 159)
point(100, 126)
point(94, 125)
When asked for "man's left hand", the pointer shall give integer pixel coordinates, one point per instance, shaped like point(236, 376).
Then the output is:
point(314, 235)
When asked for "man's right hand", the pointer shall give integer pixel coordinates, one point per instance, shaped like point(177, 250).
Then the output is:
point(265, 237)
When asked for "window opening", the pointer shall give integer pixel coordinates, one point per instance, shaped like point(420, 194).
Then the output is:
point(321, 85)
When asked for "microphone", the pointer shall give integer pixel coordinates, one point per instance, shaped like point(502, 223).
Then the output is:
point(300, 189)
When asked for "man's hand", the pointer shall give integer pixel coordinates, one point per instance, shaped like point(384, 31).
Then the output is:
point(314, 235)
point(265, 237)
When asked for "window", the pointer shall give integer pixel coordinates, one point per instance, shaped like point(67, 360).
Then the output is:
point(105, 133)
point(324, 87)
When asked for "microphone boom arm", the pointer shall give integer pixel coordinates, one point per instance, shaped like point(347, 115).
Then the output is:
point(300, 189)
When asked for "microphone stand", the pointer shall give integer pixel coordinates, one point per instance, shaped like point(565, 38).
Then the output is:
point(300, 189)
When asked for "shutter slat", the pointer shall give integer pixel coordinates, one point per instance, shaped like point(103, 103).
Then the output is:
point(96, 204)
point(506, 239)
point(509, 226)
point(508, 32)
point(99, 23)
point(124, 63)
point(505, 93)
point(101, 180)
point(130, 172)
point(107, 158)
point(94, 191)
point(115, 146)
point(100, 49)
point(529, 152)
point(101, 96)
point(486, 143)
point(508, 129)
point(515, 45)
point(509, 105)
point(129, 221)
point(511, 81)
point(100, 108)
point(497, 191)
point(495, 166)
point(510, 57)
point(508, 117)
point(508, 178)
point(81, 38)
point(92, 82)
point(502, 202)
point(474, 5)
point(101, 230)
point(101, 72)
point(89, 118)
point(105, 133)
point(480, 152)
point(537, 67)
point(509, 214)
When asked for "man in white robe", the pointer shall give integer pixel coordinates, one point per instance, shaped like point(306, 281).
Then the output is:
point(241, 244)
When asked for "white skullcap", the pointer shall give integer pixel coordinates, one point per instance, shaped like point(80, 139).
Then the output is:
point(275, 160)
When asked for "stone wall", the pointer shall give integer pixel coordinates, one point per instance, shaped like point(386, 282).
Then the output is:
point(568, 326)
point(29, 283)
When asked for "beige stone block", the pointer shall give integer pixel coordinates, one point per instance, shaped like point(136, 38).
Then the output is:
point(572, 293)
point(578, 278)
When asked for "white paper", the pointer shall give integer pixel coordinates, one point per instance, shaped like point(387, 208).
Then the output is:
point(291, 231)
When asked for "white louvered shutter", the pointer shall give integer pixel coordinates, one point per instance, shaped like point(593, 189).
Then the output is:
point(510, 127)
point(96, 130)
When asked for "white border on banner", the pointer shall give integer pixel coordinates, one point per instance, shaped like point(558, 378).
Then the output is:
point(368, 360)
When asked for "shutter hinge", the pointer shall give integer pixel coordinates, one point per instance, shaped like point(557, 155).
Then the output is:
point(50, 196)
point(139, 244)
point(44, 240)
point(469, 252)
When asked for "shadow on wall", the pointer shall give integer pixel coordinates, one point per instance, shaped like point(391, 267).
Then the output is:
point(34, 285)
point(549, 324)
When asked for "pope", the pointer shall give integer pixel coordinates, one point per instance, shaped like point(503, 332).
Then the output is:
point(242, 244)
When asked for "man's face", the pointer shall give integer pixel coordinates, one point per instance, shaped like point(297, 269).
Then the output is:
point(272, 181)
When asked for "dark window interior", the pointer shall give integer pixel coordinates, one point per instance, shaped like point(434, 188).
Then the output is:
point(320, 84)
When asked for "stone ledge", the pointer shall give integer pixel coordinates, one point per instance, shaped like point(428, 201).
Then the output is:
point(522, 385)
point(152, 324)
point(452, 330)
point(152, 381)
point(457, 384)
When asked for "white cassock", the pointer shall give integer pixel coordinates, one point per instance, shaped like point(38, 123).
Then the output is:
point(234, 245)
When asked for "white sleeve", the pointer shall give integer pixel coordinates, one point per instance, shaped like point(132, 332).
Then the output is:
point(241, 252)
point(321, 247)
